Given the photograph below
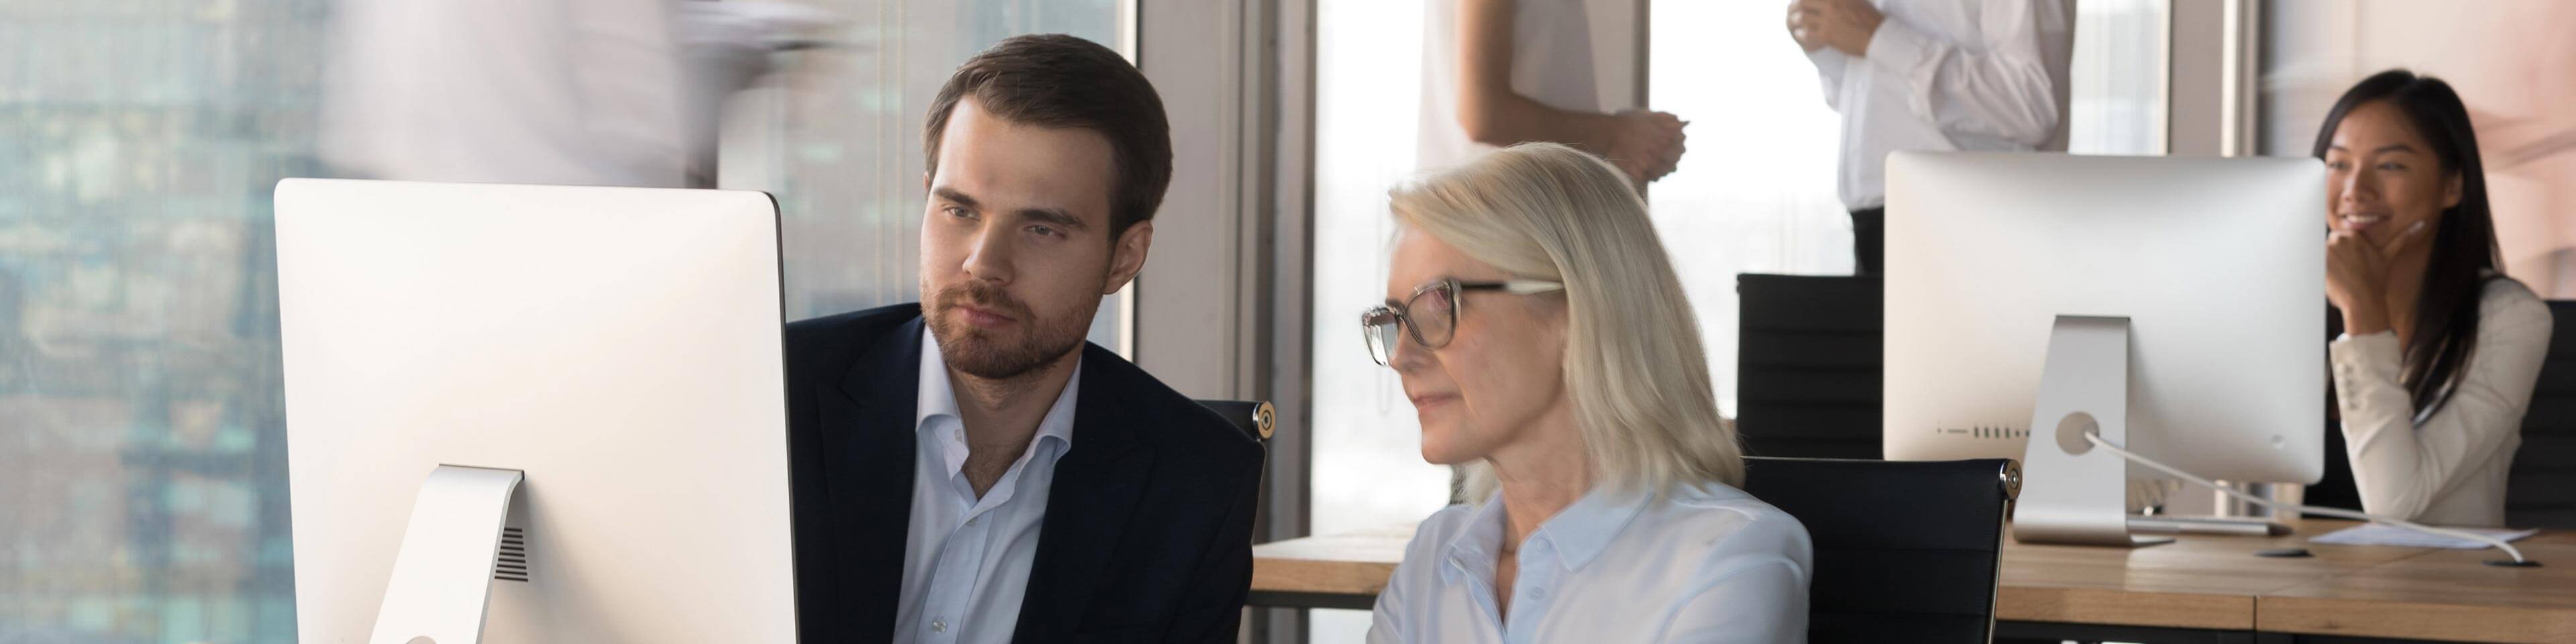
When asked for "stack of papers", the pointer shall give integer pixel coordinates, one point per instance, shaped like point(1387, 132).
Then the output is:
point(2374, 534)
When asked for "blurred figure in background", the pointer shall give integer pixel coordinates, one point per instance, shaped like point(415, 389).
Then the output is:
point(1499, 72)
point(1940, 75)
point(575, 92)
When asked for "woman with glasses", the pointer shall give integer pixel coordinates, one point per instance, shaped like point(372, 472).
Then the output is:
point(1546, 345)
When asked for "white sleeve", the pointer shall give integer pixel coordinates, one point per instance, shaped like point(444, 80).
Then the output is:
point(1761, 603)
point(1386, 617)
point(1829, 66)
point(1385, 626)
point(2399, 466)
point(1997, 86)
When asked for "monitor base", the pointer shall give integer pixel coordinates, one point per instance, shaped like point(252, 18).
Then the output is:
point(442, 577)
point(2074, 494)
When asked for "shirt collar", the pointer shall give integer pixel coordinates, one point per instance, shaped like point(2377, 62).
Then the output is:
point(1577, 534)
point(939, 398)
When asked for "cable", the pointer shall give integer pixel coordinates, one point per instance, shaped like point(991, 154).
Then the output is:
point(2097, 441)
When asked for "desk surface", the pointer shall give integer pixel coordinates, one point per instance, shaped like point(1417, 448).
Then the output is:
point(2199, 581)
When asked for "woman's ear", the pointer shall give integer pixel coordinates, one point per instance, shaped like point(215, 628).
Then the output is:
point(2451, 186)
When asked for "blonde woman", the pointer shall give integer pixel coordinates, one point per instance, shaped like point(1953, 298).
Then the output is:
point(1546, 345)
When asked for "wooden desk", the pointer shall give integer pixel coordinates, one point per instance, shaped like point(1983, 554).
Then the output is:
point(2439, 594)
point(2199, 582)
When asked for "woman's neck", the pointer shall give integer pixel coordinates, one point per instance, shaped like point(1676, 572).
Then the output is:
point(1541, 474)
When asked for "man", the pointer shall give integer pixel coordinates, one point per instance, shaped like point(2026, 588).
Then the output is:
point(1933, 75)
point(967, 469)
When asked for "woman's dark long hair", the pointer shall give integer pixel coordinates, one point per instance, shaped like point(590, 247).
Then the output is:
point(2464, 242)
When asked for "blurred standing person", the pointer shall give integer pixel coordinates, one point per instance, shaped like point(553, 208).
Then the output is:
point(1500, 72)
point(572, 92)
point(1943, 75)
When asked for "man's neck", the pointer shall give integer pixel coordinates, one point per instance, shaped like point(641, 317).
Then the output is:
point(1001, 415)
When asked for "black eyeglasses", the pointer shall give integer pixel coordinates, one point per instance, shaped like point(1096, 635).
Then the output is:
point(1430, 315)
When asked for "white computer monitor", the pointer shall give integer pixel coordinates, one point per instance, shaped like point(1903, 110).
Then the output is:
point(2217, 266)
point(604, 363)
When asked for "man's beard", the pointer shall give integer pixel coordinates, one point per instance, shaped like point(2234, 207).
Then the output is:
point(979, 353)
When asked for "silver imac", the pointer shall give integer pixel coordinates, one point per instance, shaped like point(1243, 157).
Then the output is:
point(534, 413)
point(2171, 305)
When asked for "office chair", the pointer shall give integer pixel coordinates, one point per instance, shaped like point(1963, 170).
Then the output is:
point(1807, 366)
point(1254, 418)
point(2540, 488)
point(1906, 551)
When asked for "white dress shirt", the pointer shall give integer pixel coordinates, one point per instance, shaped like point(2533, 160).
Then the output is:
point(1706, 563)
point(578, 92)
point(2447, 468)
point(966, 560)
point(1949, 75)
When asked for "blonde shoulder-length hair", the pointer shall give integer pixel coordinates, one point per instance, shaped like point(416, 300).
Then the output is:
point(1643, 402)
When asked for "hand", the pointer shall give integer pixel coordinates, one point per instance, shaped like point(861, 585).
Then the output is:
point(1647, 145)
point(2357, 276)
point(1798, 31)
point(1845, 25)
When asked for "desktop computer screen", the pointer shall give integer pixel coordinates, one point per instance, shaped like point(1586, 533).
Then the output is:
point(2215, 267)
point(593, 374)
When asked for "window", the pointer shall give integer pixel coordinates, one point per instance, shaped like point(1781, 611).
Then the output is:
point(1755, 193)
point(142, 437)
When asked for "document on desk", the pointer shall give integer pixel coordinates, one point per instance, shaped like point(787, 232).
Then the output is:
point(2373, 534)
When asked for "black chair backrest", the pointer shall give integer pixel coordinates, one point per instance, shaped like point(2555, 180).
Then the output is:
point(1906, 551)
point(1807, 366)
point(2540, 488)
point(1253, 417)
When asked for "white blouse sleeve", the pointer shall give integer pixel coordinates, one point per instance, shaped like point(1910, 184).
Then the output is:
point(1763, 603)
point(2399, 466)
point(1829, 68)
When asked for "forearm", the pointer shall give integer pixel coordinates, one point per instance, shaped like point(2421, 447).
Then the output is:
point(1502, 118)
point(2400, 465)
point(2378, 425)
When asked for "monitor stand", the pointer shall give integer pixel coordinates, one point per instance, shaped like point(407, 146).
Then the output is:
point(2072, 493)
point(442, 578)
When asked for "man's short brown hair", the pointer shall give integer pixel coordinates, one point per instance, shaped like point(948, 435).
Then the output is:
point(1059, 81)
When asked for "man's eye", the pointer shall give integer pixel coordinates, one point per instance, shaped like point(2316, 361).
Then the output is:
point(1048, 231)
point(960, 213)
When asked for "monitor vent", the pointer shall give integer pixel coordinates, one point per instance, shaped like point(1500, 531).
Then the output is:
point(511, 564)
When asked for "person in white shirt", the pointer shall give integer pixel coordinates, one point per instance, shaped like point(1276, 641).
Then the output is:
point(2439, 350)
point(1499, 72)
point(1942, 75)
point(1546, 344)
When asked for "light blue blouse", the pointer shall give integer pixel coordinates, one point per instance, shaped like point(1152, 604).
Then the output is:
point(1706, 563)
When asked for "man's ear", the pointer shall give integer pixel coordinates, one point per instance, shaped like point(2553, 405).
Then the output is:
point(925, 181)
point(1127, 256)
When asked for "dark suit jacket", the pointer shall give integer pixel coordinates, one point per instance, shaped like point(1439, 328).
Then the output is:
point(1148, 529)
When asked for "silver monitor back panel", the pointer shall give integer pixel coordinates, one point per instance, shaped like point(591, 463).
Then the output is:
point(2218, 263)
point(619, 345)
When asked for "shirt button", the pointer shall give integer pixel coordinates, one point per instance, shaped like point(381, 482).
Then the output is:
point(974, 521)
point(938, 626)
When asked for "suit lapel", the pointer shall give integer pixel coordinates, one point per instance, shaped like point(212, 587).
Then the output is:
point(1097, 485)
point(868, 421)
